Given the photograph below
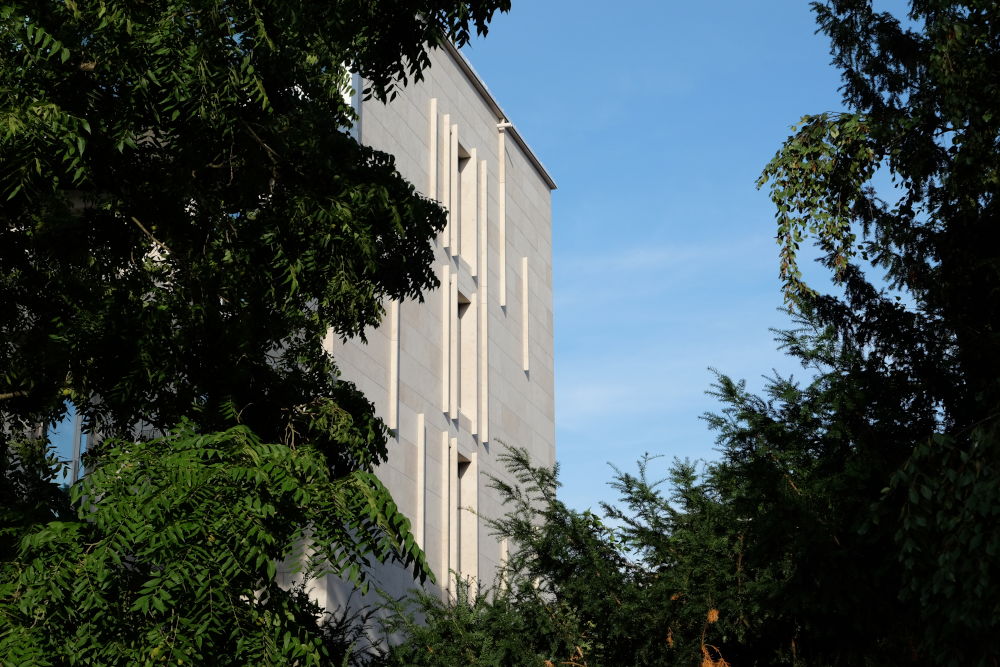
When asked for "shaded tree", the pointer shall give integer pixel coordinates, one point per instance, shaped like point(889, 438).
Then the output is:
point(914, 368)
point(184, 218)
point(649, 584)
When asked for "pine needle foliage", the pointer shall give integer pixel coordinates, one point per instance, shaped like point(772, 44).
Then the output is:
point(899, 463)
point(508, 623)
point(651, 583)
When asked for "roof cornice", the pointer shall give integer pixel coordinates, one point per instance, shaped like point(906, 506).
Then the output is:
point(484, 92)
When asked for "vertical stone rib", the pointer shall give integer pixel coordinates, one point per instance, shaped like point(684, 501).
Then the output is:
point(445, 181)
point(502, 214)
point(446, 308)
point(446, 467)
point(453, 564)
point(432, 150)
point(420, 518)
point(453, 349)
point(393, 416)
point(472, 226)
point(484, 319)
point(525, 348)
point(455, 188)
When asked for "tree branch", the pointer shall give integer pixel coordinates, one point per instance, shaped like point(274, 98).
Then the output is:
point(149, 234)
point(12, 394)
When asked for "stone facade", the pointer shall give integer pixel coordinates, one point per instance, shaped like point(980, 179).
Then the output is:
point(470, 369)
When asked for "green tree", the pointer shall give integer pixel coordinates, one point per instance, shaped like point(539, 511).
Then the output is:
point(649, 585)
point(908, 444)
point(507, 623)
point(184, 218)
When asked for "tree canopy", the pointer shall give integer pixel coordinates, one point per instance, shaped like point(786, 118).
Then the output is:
point(184, 218)
point(913, 365)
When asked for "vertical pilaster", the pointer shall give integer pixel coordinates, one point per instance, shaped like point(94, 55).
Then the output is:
point(445, 180)
point(453, 344)
point(484, 319)
point(453, 562)
point(77, 439)
point(393, 416)
point(455, 189)
point(504, 547)
point(470, 247)
point(445, 480)
point(446, 358)
point(502, 214)
point(420, 511)
point(469, 524)
point(432, 150)
point(525, 348)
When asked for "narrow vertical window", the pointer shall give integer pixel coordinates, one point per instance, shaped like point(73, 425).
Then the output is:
point(468, 207)
point(467, 530)
point(358, 85)
point(468, 360)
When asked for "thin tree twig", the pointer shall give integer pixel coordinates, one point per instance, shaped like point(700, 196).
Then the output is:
point(12, 394)
point(149, 234)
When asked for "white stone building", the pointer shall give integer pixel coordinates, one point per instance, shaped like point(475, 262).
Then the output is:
point(470, 369)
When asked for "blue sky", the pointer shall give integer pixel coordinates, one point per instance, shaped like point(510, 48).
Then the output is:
point(655, 119)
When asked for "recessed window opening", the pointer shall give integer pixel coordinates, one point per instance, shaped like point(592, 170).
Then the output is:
point(468, 358)
point(465, 534)
point(463, 305)
point(468, 204)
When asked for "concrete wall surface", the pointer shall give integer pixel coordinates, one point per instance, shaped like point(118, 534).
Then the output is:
point(470, 369)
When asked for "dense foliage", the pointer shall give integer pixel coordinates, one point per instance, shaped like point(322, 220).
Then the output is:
point(852, 518)
point(184, 218)
point(905, 446)
point(643, 585)
point(179, 559)
point(648, 587)
point(508, 623)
